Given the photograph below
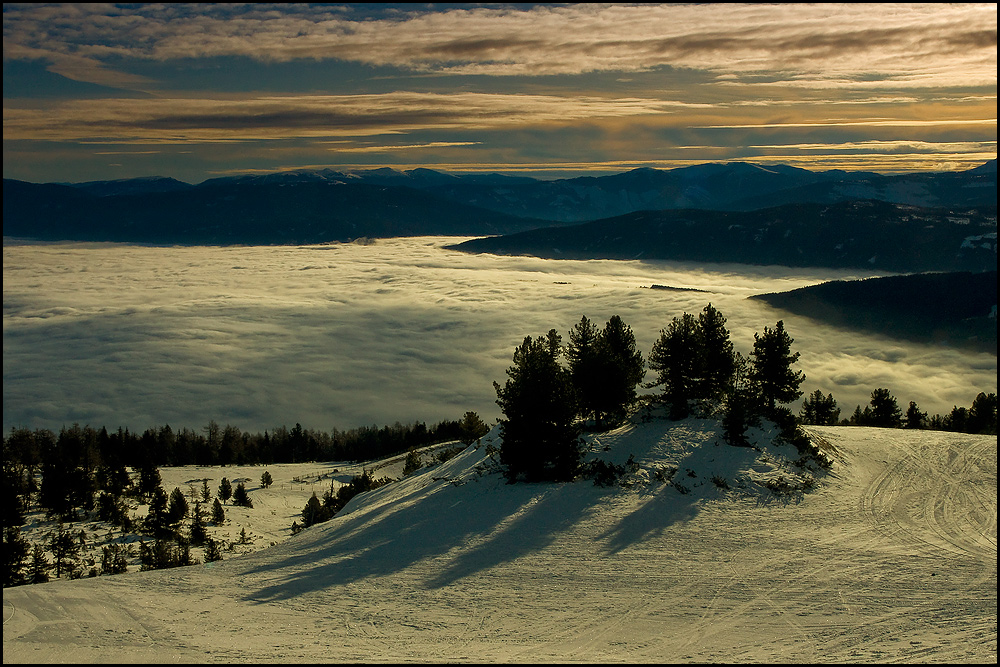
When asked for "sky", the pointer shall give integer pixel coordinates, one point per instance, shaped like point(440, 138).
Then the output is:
point(196, 91)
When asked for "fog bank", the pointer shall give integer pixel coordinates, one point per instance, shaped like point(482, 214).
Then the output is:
point(343, 335)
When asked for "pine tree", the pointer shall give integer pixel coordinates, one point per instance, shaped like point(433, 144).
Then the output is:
point(914, 417)
point(16, 549)
point(741, 403)
point(884, 409)
point(112, 509)
point(53, 494)
point(149, 479)
point(265, 480)
point(225, 489)
point(39, 568)
point(206, 493)
point(212, 551)
point(857, 417)
point(983, 414)
point(622, 369)
point(240, 497)
point(771, 364)
point(16, 493)
point(820, 409)
point(218, 514)
point(313, 512)
point(412, 463)
point(585, 367)
point(957, 420)
point(114, 559)
point(540, 439)
point(199, 532)
point(716, 356)
point(471, 428)
point(675, 360)
point(157, 517)
point(65, 548)
point(178, 507)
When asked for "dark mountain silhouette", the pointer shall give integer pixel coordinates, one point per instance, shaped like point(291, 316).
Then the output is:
point(958, 309)
point(857, 234)
point(243, 213)
point(707, 186)
point(310, 206)
point(965, 189)
point(734, 186)
point(131, 186)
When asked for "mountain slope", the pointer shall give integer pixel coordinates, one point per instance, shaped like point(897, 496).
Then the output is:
point(967, 189)
point(892, 558)
point(862, 234)
point(958, 309)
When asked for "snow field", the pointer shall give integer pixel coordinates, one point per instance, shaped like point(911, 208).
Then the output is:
point(892, 557)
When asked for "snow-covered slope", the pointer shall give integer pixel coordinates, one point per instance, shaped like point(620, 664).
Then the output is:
point(892, 557)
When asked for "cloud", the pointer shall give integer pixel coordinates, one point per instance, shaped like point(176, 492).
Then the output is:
point(965, 147)
point(180, 120)
point(346, 335)
point(873, 122)
point(824, 44)
point(396, 147)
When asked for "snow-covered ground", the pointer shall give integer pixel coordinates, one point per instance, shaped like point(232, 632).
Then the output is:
point(890, 558)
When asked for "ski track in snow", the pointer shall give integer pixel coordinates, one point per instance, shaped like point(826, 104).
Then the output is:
point(891, 559)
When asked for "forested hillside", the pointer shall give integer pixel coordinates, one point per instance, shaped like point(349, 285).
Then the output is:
point(958, 309)
point(867, 234)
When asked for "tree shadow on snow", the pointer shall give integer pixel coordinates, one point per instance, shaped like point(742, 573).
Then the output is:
point(662, 509)
point(551, 510)
point(484, 524)
point(459, 528)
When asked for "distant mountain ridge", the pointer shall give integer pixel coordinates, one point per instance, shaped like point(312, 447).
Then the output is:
point(243, 213)
point(865, 234)
point(732, 186)
point(315, 206)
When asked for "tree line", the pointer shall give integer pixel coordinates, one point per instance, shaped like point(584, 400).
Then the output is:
point(85, 473)
point(71, 469)
point(883, 410)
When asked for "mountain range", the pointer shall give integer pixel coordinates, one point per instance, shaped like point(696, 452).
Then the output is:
point(732, 212)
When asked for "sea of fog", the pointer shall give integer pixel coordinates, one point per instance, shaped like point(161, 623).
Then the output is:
point(354, 334)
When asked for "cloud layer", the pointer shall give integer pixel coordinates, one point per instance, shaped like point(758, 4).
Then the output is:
point(833, 45)
point(347, 335)
point(557, 89)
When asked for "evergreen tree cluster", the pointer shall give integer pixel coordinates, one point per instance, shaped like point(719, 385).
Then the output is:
point(336, 498)
point(546, 405)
